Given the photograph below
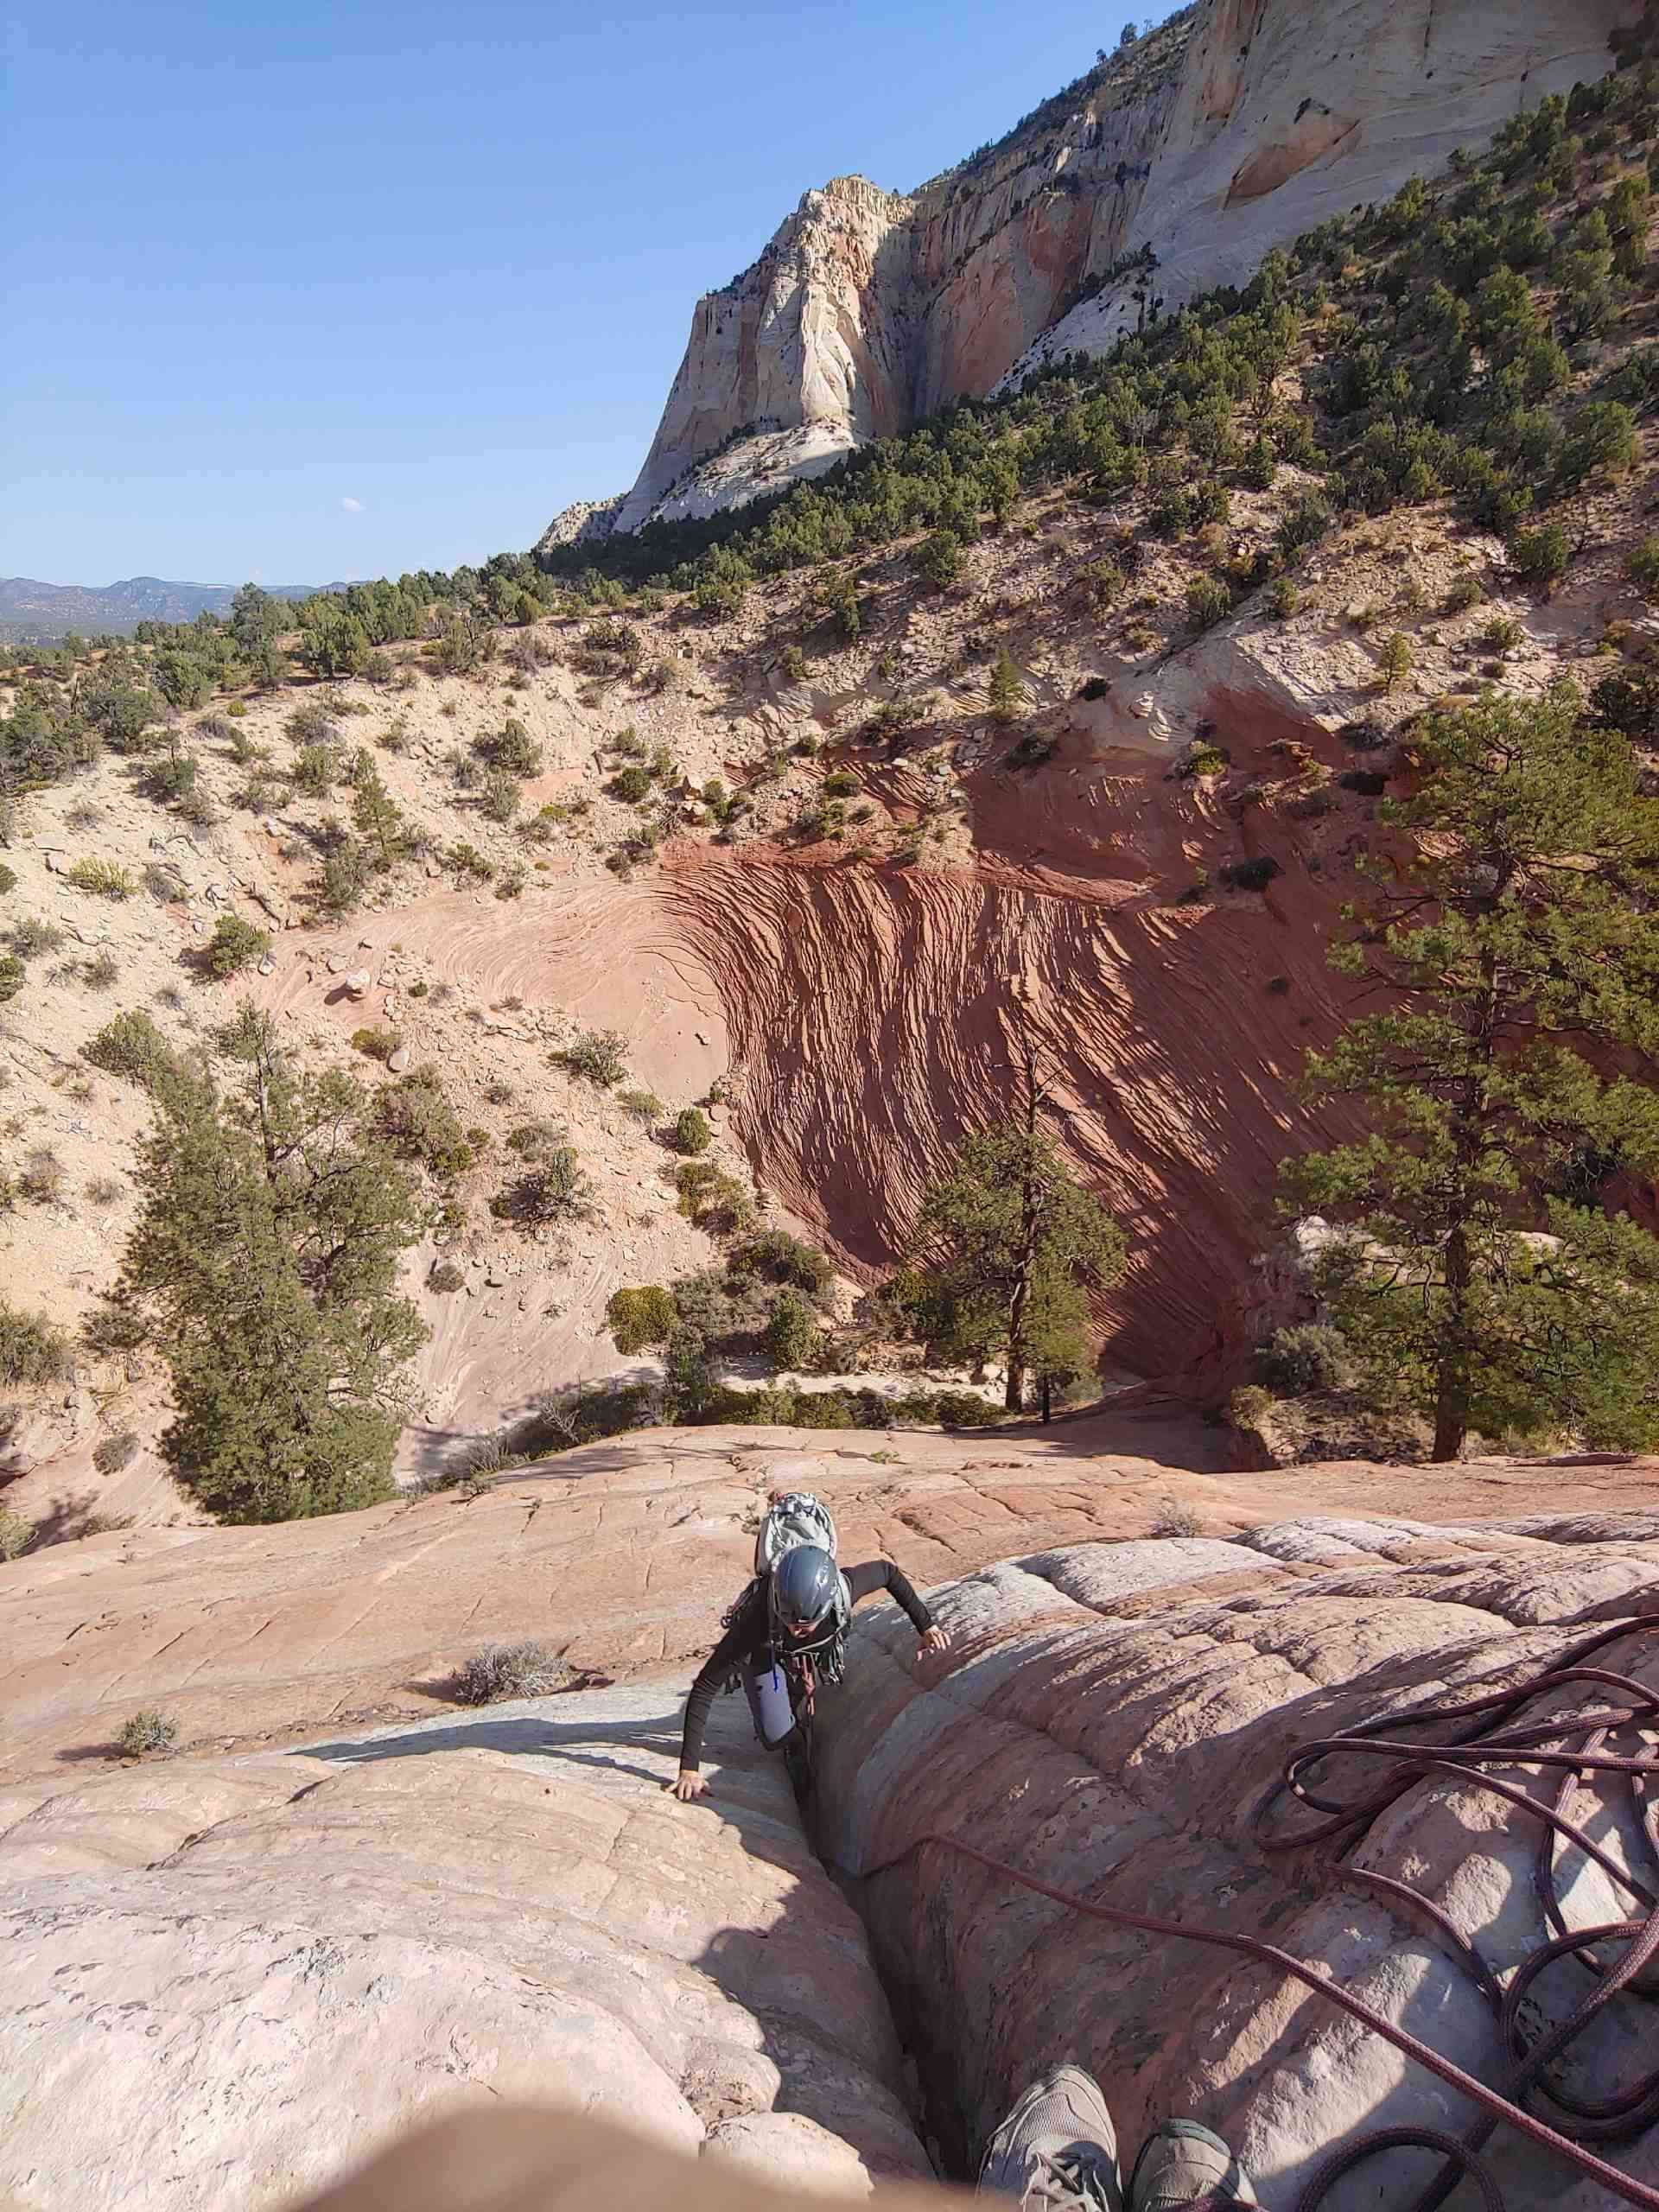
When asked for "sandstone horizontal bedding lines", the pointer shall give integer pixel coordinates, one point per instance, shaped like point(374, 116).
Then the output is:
point(1136, 1753)
point(874, 1016)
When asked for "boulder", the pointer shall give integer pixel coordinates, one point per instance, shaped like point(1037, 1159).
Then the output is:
point(1112, 1719)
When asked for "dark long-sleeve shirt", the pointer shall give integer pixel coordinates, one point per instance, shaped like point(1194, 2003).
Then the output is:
point(748, 1641)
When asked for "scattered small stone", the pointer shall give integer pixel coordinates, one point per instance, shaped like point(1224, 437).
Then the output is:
point(267, 966)
point(336, 964)
point(357, 983)
point(397, 1061)
point(198, 928)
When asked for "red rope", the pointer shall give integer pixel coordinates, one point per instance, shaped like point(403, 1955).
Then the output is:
point(1464, 1757)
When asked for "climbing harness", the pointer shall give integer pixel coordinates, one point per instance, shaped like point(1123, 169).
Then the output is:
point(1574, 1745)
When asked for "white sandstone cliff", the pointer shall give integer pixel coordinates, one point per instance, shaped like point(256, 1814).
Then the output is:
point(1235, 126)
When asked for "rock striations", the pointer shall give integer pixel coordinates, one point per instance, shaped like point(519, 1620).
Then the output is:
point(347, 1901)
point(1238, 124)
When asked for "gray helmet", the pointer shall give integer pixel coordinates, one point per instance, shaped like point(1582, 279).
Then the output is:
point(803, 1598)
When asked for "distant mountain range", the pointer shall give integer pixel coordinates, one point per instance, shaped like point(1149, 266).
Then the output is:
point(33, 613)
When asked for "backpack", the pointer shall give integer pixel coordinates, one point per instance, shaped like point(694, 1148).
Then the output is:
point(796, 1519)
point(799, 1518)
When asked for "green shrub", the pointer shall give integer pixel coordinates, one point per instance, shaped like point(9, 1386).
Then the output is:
point(842, 782)
point(638, 1318)
point(792, 1339)
point(599, 1056)
point(16, 1535)
point(1539, 556)
point(818, 1409)
point(33, 1350)
point(376, 1044)
point(130, 1046)
point(1205, 759)
point(115, 1452)
point(1310, 1355)
point(1209, 600)
point(467, 860)
point(776, 1256)
point(13, 976)
point(1254, 875)
point(315, 770)
point(712, 1198)
point(1396, 661)
point(1304, 523)
point(8, 879)
point(500, 797)
point(345, 875)
point(692, 1133)
point(1599, 437)
point(234, 944)
point(1641, 567)
point(1501, 632)
point(554, 1189)
point(641, 1105)
point(106, 878)
point(512, 749)
point(632, 784)
point(1465, 591)
point(940, 559)
point(966, 1409)
point(147, 1731)
point(1101, 582)
point(444, 1275)
point(1628, 700)
point(1282, 599)
point(32, 934)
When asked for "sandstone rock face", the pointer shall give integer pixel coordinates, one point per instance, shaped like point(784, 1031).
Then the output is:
point(227, 1980)
point(816, 332)
point(1290, 111)
point(1213, 139)
point(229, 1975)
point(621, 1556)
point(1109, 1719)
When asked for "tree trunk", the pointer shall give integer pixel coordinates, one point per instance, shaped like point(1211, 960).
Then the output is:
point(1047, 1388)
point(1452, 1395)
point(1031, 1204)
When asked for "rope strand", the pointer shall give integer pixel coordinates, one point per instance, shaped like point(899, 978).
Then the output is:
point(1466, 1756)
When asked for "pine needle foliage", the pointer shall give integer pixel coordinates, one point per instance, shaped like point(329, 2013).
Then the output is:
point(1507, 1068)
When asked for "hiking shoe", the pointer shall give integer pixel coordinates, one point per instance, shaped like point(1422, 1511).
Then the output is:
point(1184, 2163)
point(1056, 2151)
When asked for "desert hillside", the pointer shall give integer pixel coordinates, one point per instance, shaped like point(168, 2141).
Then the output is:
point(674, 906)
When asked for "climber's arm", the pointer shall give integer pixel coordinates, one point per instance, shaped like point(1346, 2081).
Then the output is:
point(726, 1654)
point(881, 1574)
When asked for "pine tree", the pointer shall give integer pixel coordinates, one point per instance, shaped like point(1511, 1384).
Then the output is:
point(1008, 689)
point(379, 818)
point(1517, 955)
point(265, 1258)
point(1004, 1245)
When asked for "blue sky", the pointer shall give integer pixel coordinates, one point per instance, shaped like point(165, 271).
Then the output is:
point(331, 289)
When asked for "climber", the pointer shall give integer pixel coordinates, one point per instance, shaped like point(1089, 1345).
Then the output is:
point(786, 1631)
point(1056, 2152)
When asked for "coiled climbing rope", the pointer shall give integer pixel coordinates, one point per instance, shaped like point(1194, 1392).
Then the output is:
point(1479, 1740)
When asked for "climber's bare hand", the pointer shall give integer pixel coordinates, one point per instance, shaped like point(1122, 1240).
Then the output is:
point(687, 1786)
point(935, 1639)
